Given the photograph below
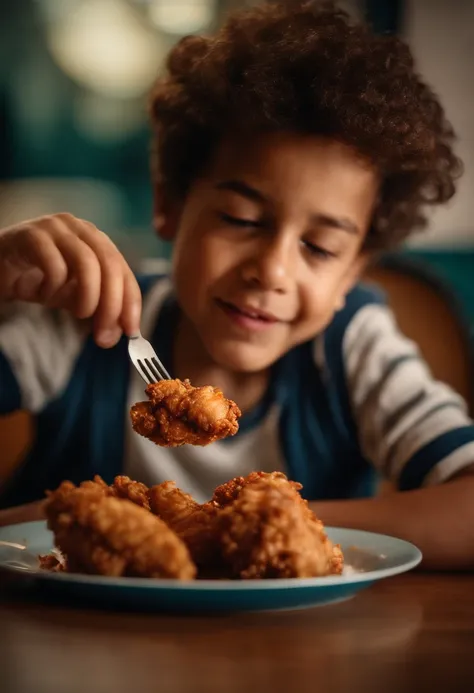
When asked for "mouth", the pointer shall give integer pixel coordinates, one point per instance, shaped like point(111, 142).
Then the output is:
point(249, 312)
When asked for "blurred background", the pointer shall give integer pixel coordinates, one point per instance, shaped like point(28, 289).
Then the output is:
point(74, 75)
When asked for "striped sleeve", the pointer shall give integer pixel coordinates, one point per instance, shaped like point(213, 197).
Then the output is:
point(38, 351)
point(413, 428)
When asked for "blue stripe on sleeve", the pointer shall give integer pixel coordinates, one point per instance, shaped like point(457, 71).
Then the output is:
point(427, 458)
point(10, 394)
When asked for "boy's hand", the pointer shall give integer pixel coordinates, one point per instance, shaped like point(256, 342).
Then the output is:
point(64, 262)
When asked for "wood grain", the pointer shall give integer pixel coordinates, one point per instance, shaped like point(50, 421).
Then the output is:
point(409, 633)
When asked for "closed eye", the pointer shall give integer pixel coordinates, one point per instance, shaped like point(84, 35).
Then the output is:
point(317, 251)
point(239, 221)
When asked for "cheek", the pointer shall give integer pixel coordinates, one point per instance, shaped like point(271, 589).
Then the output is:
point(319, 301)
point(200, 262)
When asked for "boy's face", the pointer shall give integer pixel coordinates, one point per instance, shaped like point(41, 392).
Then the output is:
point(268, 243)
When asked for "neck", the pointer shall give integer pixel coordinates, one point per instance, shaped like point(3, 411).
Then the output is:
point(191, 360)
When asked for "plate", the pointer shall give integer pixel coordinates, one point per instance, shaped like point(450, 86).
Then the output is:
point(369, 557)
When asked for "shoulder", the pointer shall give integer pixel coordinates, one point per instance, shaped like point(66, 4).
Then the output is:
point(322, 361)
point(361, 298)
point(340, 347)
point(362, 303)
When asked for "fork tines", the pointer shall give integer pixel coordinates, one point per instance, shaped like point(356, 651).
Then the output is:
point(145, 360)
point(152, 370)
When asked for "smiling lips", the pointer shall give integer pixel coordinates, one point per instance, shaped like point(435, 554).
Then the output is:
point(247, 316)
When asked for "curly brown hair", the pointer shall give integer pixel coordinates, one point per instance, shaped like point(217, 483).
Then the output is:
point(307, 67)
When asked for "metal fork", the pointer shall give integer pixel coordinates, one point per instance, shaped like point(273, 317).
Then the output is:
point(145, 360)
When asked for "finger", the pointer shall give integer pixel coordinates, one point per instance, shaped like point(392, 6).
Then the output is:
point(84, 267)
point(27, 286)
point(106, 336)
point(37, 255)
point(132, 305)
point(65, 298)
point(55, 270)
point(107, 329)
point(114, 269)
point(111, 299)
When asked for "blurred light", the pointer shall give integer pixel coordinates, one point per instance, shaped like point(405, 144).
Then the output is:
point(101, 201)
point(52, 10)
point(182, 16)
point(104, 45)
point(107, 120)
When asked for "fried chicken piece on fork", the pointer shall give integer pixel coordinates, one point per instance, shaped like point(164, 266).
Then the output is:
point(269, 531)
point(101, 534)
point(178, 413)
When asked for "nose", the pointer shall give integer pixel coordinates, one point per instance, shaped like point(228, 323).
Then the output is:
point(272, 267)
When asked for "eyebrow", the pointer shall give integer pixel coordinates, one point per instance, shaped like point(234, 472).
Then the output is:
point(341, 223)
point(319, 219)
point(241, 188)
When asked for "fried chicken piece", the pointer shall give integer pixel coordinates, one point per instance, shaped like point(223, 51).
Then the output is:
point(199, 526)
point(122, 487)
point(135, 491)
point(96, 484)
point(178, 413)
point(103, 535)
point(195, 524)
point(229, 491)
point(337, 561)
point(171, 504)
point(52, 562)
point(270, 532)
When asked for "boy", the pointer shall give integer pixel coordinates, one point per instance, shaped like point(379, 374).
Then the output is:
point(289, 150)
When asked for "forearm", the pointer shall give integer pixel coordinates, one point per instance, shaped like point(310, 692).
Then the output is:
point(439, 520)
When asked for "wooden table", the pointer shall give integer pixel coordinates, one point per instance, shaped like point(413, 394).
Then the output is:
point(410, 633)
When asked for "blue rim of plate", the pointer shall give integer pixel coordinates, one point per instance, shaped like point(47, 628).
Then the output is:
point(338, 535)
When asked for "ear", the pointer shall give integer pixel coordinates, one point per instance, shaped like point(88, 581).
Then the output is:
point(352, 277)
point(165, 216)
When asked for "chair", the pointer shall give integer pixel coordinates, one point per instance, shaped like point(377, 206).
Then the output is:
point(16, 437)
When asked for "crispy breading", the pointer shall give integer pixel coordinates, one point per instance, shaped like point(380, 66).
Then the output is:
point(178, 413)
point(257, 526)
point(103, 535)
point(270, 532)
point(135, 491)
point(229, 491)
point(195, 524)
